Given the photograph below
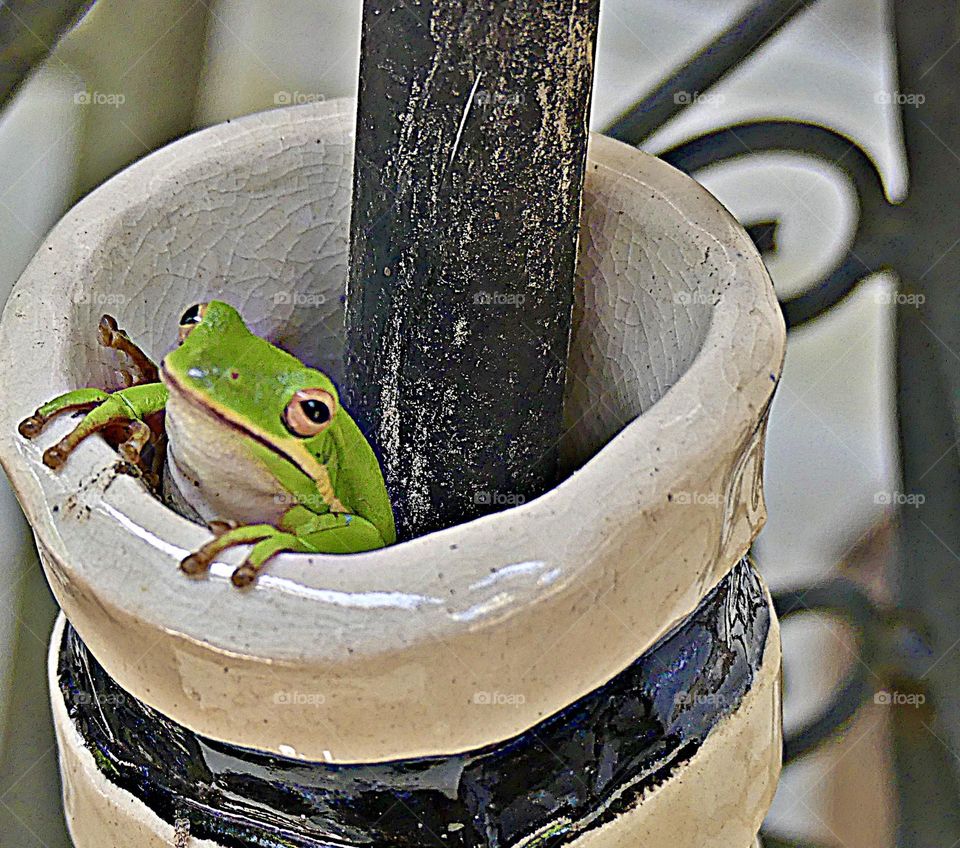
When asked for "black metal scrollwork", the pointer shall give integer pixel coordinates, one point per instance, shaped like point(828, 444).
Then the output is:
point(887, 235)
point(863, 256)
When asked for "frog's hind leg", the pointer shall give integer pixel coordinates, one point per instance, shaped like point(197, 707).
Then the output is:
point(84, 400)
point(81, 400)
point(111, 336)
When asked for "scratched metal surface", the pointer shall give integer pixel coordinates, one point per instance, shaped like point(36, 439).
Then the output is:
point(472, 133)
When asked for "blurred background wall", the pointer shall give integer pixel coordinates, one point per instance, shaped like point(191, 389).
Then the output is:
point(136, 74)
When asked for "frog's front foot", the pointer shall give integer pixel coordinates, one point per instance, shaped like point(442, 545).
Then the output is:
point(301, 532)
point(113, 414)
point(81, 400)
point(265, 549)
point(266, 539)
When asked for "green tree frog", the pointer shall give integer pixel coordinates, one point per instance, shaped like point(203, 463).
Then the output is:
point(258, 444)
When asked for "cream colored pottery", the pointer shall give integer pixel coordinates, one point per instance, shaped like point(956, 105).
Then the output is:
point(717, 799)
point(465, 636)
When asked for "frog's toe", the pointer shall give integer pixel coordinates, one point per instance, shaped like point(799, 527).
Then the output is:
point(106, 329)
point(31, 427)
point(138, 436)
point(220, 526)
point(243, 576)
point(195, 564)
point(55, 457)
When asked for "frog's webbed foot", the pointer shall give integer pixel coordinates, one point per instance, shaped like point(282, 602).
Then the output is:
point(111, 336)
point(138, 436)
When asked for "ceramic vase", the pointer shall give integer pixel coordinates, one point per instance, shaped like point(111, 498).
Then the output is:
point(598, 666)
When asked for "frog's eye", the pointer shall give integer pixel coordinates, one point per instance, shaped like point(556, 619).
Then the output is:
point(190, 319)
point(309, 412)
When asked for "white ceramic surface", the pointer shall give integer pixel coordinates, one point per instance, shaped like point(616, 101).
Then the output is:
point(718, 798)
point(396, 653)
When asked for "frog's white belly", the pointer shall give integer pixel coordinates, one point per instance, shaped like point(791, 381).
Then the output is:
point(215, 471)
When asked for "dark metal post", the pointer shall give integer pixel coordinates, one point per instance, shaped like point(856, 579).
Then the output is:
point(927, 254)
point(749, 32)
point(471, 148)
point(29, 30)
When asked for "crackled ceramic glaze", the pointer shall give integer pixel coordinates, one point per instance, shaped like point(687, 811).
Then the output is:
point(658, 755)
point(396, 653)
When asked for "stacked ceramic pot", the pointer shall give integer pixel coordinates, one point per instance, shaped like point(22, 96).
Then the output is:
point(598, 666)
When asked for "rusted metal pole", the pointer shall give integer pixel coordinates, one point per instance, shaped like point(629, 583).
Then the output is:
point(471, 151)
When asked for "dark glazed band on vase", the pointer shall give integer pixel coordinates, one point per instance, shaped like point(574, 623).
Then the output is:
point(570, 773)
